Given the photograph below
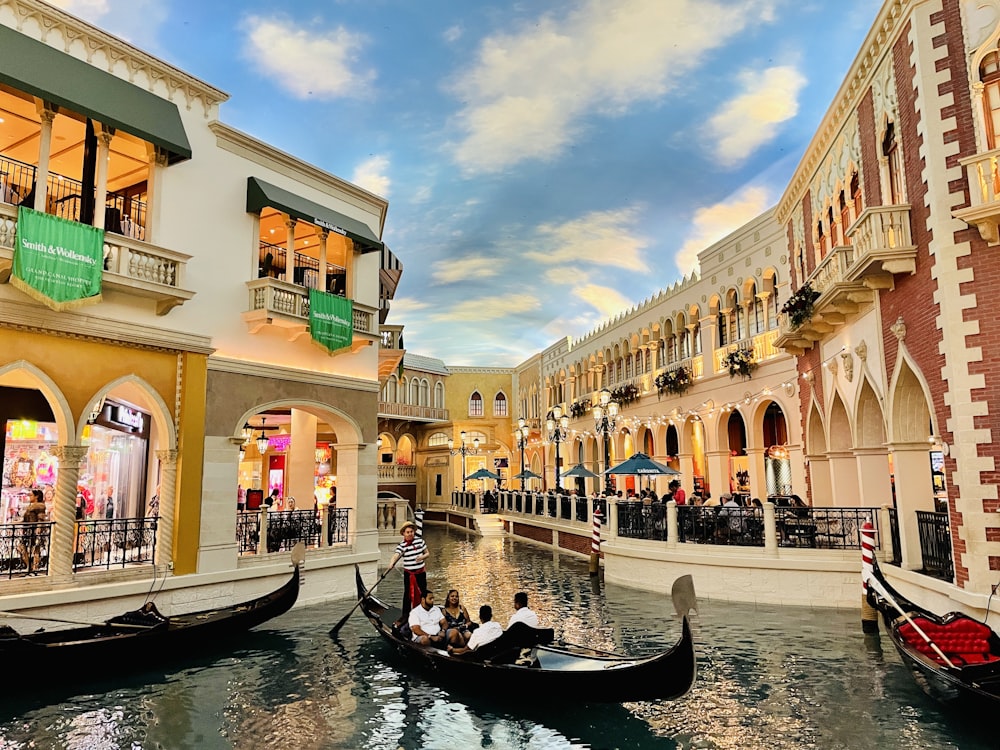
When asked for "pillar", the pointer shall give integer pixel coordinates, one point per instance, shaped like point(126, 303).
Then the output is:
point(718, 472)
point(873, 475)
point(323, 252)
point(820, 485)
point(758, 477)
point(672, 535)
point(301, 467)
point(104, 136)
point(289, 273)
point(914, 491)
point(168, 508)
point(47, 114)
point(770, 528)
point(844, 479)
point(157, 161)
point(61, 547)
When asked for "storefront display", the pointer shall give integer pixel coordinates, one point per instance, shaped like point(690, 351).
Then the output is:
point(27, 463)
point(113, 474)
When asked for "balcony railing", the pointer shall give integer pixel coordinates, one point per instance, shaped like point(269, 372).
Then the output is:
point(284, 529)
point(983, 173)
point(283, 304)
point(115, 543)
point(762, 345)
point(305, 272)
point(409, 411)
point(24, 549)
point(397, 473)
point(935, 544)
point(883, 246)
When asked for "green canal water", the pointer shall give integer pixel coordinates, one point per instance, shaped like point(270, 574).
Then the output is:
point(769, 677)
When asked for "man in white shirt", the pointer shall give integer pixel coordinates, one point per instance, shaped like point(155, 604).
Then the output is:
point(487, 632)
point(427, 622)
point(521, 611)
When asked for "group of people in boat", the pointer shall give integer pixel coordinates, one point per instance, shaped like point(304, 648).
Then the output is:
point(450, 626)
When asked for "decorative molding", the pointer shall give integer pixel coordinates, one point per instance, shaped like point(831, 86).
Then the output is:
point(862, 351)
point(25, 316)
point(276, 372)
point(899, 329)
point(115, 50)
point(848, 360)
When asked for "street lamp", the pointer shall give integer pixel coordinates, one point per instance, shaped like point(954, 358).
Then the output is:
point(556, 426)
point(465, 450)
point(605, 416)
point(522, 433)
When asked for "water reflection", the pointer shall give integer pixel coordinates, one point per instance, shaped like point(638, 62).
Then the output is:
point(769, 677)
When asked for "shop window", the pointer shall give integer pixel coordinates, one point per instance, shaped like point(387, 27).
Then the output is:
point(476, 405)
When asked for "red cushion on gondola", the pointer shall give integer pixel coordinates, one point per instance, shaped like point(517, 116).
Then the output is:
point(963, 640)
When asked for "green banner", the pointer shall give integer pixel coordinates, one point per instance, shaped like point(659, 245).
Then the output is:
point(331, 320)
point(57, 261)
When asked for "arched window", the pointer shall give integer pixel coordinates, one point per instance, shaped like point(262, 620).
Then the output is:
point(755, 313)
point(439, 395)
point(389, 389)
point(500, 405)
point(834, 229)
point(890, 152)
point(856, 194)
point(696, 338)
point(989, 74)
point(821, 240)
point(845, 217)
point(425, 392)
point(475, 405)
point(628, 366)
point(438, 438)
point(414, 392)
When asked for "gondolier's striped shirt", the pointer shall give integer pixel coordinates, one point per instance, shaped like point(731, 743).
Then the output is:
point(410, 552)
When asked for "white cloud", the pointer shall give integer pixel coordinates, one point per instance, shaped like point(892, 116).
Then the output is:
point(599, 58)
point(607, 301)
point(712, 223)
point(403, 306)
point(469, 269)
point(488, 308)
point(87, 9)
point(371, 175)
point(769, 98)
point(136, 21)
point(325, 65)
point(453, 33)
point(601, 237)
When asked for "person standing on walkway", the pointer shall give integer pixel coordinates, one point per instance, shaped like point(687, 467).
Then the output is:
point(414, 553)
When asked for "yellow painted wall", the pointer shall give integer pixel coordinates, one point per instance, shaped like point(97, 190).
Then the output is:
point(190, 463)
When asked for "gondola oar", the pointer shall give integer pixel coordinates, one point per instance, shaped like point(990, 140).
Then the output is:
point(24, 616)
point(877, 585)
point(336, 628)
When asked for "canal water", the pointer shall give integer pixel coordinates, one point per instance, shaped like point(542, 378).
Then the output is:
point(769, 677)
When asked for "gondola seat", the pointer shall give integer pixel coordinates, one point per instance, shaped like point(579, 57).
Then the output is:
point(963, 641)
point(507, 648)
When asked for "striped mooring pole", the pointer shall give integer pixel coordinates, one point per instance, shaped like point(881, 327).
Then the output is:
point(869, 616)
point(418, 516)
point(595, 544)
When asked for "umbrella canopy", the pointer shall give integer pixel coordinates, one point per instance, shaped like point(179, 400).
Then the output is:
point(642, 465)
point(580, 471)
point(483, 474)
point(526, 474)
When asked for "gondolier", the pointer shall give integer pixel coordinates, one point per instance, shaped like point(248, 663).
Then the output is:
point(414, 553)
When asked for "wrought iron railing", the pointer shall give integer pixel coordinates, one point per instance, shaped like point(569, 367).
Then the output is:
point(248, 532)
point(24, 549)
point(935, 544)
point(639, 521)
point(115, 543)
point(286, 528)
point(338, 526)
point(830, 528)
point(897, 551)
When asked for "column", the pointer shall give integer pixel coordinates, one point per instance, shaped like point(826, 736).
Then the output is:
point(718, 472)
point(323, 235)
point(64, 511)
point(157, 163)
point(168, 508)
point(302, 460)
point(357, 486)
point(819, 481)
point(844, 479)
point(763, 297)
point(289, 273)
point(758, 477)
point(47, 114)
point(873, 476)
point(104, 136)
point(350, 257)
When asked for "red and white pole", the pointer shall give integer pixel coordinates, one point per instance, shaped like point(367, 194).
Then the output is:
point(869, 616)
point(595, 544)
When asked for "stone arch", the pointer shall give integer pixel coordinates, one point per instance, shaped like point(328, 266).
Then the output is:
point(23, 374)
point(870, 429)
point(134, 389)
point(840, 426)
point(406, 448)
point(346, 427)
point(815, 432)
point(911, 420)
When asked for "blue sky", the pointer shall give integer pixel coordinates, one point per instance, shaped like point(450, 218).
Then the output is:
point(547, 164)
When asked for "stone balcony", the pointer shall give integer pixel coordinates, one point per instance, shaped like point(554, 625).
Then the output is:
point(983, 174)
point(131, 266)
point(392, 410)
point(849, 275)
point(285, 306)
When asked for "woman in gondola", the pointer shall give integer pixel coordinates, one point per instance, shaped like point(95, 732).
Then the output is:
point(459, 624)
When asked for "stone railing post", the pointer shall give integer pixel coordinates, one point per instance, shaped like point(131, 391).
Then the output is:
point(324, 525)
point(770, 528)
point(672, 535)
point(262, 544)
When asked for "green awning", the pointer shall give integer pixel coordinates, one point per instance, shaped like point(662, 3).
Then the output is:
point(261, 194)
point(40, 70)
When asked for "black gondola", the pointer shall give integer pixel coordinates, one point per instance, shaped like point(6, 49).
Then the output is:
point(138, 639)
point(526, 663)
point(961, 668)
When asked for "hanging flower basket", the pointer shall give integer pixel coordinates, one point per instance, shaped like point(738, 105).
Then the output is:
point(673, 381)
point(740, 362)
point(579, 408)
point(799, 306)
point(625, 394)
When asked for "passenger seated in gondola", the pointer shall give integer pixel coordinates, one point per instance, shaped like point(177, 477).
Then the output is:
point(458, 626)
point(487, 632)
point(427, 622)
point(521, 611)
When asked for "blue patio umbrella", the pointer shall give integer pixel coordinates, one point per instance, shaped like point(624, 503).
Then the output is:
point(580, 471)
point(642, 465)
point(526, 474)
point(483, 474)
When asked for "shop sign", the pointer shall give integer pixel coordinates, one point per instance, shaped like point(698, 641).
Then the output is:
point(128, 417)
point(331, 320)
point(56, 261)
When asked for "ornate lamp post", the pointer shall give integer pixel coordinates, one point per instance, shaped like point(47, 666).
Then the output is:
point(521, 433)
point(464, 450)
point(605, 417)
point(556, 426)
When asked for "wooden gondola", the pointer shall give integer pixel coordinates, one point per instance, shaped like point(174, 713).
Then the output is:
point(954, 658)
point(528, 663)
point(135, 640)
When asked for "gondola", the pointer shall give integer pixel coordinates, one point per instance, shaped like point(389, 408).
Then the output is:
point(527, 663)
point(954, 658)
point(137, 639)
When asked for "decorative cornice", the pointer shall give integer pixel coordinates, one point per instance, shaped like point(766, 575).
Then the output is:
point(25, 316)
point(480, 370)
point(246, 146)
point(276, 372)
point(857, 81)
point(115, 51)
